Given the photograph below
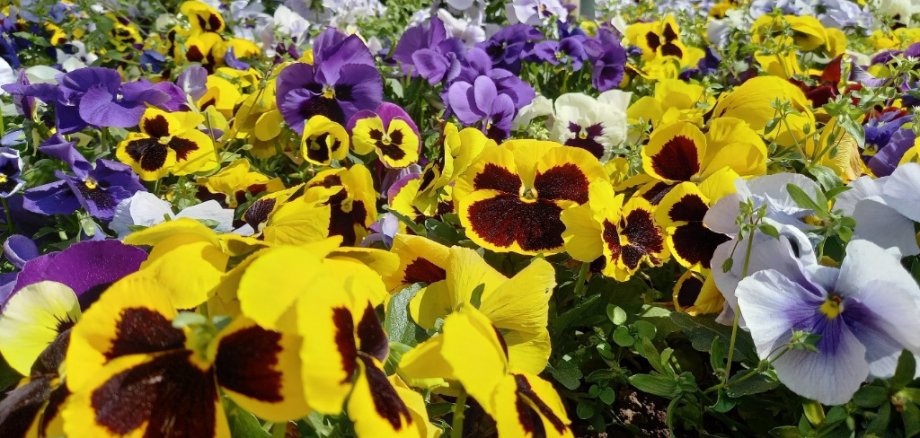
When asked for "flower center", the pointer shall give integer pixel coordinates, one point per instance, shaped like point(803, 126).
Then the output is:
point(164, 140)
point(3, 178)
point(529, 193)
point(582, 134)
point(832, 307)
point(91, 183)
point(329, 92)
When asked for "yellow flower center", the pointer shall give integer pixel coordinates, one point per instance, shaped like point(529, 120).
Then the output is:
point(832, 307)
point(582, 135)
point(329, 92)
point(90, 183)
point(164, 140)
point(3, 178)
point(528, 193)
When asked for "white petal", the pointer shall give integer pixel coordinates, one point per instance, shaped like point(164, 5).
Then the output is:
point(902, 191)
point(212, 211)
point(884, 226)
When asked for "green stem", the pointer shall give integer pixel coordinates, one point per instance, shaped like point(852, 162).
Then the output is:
point(580, 282)
point(9, 215)
point(737, 317)
point(456, 430)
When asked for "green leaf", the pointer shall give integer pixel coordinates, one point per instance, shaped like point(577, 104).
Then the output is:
point(702, 329)
point(567, 373)
point(802, 199)
point(911, 418)
point(397, 323)
point(585, 409)
point(243, 423)
point(476, 297)
point(717, 353)
point(904, 373)
point(870, 396)
point(814, 412)
point(8, 376)
point(753, 385)
point(616, 314)
point(724, 403)
point(879, 424)
point(658, 385)
point(622, 337)
point(828, 180)
point(769, 230)
point(608, 396)
point(645, 329)
point(836, 415)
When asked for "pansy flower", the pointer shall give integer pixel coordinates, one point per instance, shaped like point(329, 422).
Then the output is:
point(131, 370)
point(202, 17)
point(680, 151)
point(517, 306)
point(608, 58)
point(660, 40)
point(389, 132)
point(509, 45)
point(681, 212)
point(426, 51)
point(674, 100)
point(323, 141)
point(595, 125)
point(479, 103)
point(342, 81)
point(865, 314)
point(234, 181)
point(474, 353)
point(331, 303)
point(10, 172)
point(459, 149)
point(421, 260)
point(169, 143)
point(623, 237)
point(145, 209)
point(753, 102)
point(97, 189)
point(510, 197)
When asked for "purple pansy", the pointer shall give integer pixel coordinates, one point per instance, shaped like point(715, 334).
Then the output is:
point(479, 103)
point(608, 58)
point(10, 172)
point(477, 63)
point(86, 267)
point(568, 50)
point(508, 46)
point(865, 314)
point(342, 81)
point(98, 189)
point(425, 51)
point(95, 96)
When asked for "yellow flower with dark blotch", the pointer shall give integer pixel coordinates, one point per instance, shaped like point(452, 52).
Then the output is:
point(233, 182)
point(696, 294)
point(421, 260)
point(258, 121)
point(753, 102)
point(125, 35)
point(169, 143)
point(389, 132)
point(133, 372)
point(323, 141)
point(332, 303)
point(474, 353)
point(681, 213)
point(518, 306)
point(58, 36)
point(681, 152)
point(838, 150)
point(335, 202)
point(661, 39)
point(401, 197)
point(202, 48)
point(202, 17)
point(459, 148)
point(510, 197)
point(624, 237)
point(221, 94)
point(32, 319)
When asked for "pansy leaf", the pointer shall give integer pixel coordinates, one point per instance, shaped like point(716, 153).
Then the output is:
point(661, 386)
point(397, 323)
point(904, 372)
point(243, 423)
point(802, 199)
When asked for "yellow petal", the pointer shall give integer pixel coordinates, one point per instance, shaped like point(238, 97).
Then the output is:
point(32, 319)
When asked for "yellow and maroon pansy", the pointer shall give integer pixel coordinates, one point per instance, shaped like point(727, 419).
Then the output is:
point(323, 141)
point(696, 293)
point(518, 306)
point(232, 183)
point(202, 17)
point(510, 197)
point(351, 197)
point(459, 148)
point(343, 352)
point(473, 352)
point(389, 132)
point(222, 94)
point(169, 143)
point(681, 213)
point(421, 260)
point(133, 372)
point(625, 235)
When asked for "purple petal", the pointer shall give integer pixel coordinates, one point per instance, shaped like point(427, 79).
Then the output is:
point(194, 81)
point(365, 86)
point(430, 65)
point(461, 104)
point(86, 267)
point(59, 148)
point(483, 93)
point(19, 249)
point(99, 108)
point(50, 199)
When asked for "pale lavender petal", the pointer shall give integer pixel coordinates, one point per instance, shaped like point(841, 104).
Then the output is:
point(460, 103)
point(881, 224)
point(430, 65)
point(902, 191)
point(483, 93)
point(19, 249)
point(99, 108)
